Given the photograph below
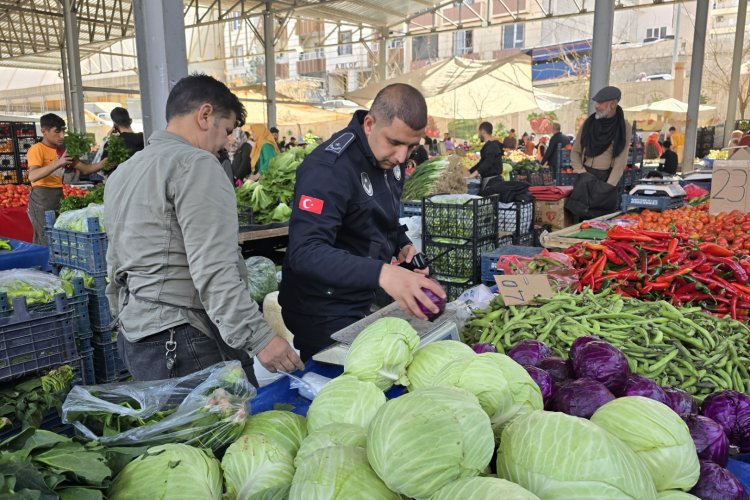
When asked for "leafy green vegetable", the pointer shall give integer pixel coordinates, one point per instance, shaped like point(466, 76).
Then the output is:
point(78, 144)
point(483, 488)
point(36, 286)
point(117, 152)
point(26, 402)
point(284, 427)
point(337, 434)
point(345, 400)
point(261, 277)
point(95, 196)
point(422, 181)
point(430, 359)
point(255, 466)
point(77, 220)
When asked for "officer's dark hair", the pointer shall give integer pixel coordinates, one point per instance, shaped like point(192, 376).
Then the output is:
point(672, 129)
point(401, 101)
point(273, 129)
point(486, 126)
point(193, 91)
point(51, 121)
point(121, 117)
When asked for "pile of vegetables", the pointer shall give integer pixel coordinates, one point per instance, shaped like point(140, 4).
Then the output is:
point(82, 199)
point(14, 195)
point(117, 152)
point(76, 220)
point(77, 144)
point(653, 265)
point(269, 196)
point(261, 277)
point(36, 286)
point(25, 403)
point(425, 177)
point(684, 348)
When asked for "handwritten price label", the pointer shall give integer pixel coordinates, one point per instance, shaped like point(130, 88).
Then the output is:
point(520, 289)
point(730, 186)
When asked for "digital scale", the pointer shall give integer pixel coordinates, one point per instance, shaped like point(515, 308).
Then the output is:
point(443, 328)
point(655, 193)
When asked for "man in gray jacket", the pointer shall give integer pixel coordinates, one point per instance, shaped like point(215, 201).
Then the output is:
point(177, 280)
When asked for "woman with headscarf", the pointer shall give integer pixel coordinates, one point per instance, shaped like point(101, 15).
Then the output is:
point(241, 155)
point(653, 150)
point(265, 148)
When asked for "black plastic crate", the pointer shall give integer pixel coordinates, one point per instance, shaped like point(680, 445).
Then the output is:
point(8, 161)
point(88, 375)
point(33, 340)
point(454, 287)
point(245, 217)
point(7, 147)
point(6, 130)
point(85, 251)
point(9, 175)
point(23, 144)
point(543, 177)
point(489, 259)
point(108, 367)
point(474, 219)
point(516, 218)
point(24, 130)
point(103, 336)
point(410, 209)
point(524, 240)
point(457, 260)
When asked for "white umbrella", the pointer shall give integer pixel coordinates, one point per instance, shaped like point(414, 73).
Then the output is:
point(673, 105)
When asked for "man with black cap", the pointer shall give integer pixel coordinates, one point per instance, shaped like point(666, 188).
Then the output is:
point(603, 142)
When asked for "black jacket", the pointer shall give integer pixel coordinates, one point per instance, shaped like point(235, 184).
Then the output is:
point(344, 227)
point(550, 155)
point(419, 155)
point(670, 162)
point(241, 161)
point(491, 162)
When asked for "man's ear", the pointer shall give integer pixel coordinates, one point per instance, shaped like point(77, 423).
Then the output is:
point(369, 124)
point(202, 115)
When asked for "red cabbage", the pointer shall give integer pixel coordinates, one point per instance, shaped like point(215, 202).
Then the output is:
point(543, 380)
point(529, 352)
point(604, 363)
point(682, 402)
point(710, 441)
point(484, 347)
point(638, 385)
point(731, 409)
point(578, 343)
point(558, 368)
point(580, 398)
point(431, 316)
point(717, 483)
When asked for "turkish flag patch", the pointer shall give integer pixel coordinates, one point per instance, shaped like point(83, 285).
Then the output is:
point(310, 204)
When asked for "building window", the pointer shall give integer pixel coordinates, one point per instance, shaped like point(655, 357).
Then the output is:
point(238, 53)
point(463, 42)
point(424, 47)
point(316, 53)
point(395, 43)
point(345, 43)
point(657, 33)
point(513, 36)
point(235, 21)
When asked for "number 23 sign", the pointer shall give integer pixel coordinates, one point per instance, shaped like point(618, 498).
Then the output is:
point(730, 186)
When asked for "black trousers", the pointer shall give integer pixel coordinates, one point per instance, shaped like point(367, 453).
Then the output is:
point(313, 333)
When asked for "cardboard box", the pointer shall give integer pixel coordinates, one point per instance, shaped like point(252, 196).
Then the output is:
point(552, 213)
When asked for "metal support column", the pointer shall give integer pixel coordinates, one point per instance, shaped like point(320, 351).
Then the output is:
point(696, 76)
point(383, 56)
point(601, 47)
point(268, 45)
point(734, 82)
point(66, 87)
point(77, 118)
point(162, 56)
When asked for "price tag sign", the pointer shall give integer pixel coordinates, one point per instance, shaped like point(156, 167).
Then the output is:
point(730, 186)
point(520, 289)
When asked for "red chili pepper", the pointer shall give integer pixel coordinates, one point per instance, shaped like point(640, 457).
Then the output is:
point(739, 272)
point(733, 308)
point(742, 288)
point(667, 278)
point(716, 250)
point(654, 249)
point(696, 259)
point(625, 247)
point(693, 297)
point(620, 233)
point(685, 289)
point(655, 286)
point(612, 256)
point(672, 246)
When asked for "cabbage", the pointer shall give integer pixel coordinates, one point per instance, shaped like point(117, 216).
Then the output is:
point(504, 388)
point(344, 400)
point(543, 380)
point(710, 441)
point(381, 353)
point(332, 435)
point(338, 473)
point(257, 466)
point(438, 301)
point(580, 398)
point(430, 359)
point(675, 495)
point(483, 347)
point(681, 401)
point(732, 410)
point(639, 385)
point(483, 488)
point(261, 277)
point(559, 457)
point(286, 428)
point(558, 368)
point(529, 352)
point(604, 363)
point(578, 344)
point(169, 470)
point(658, 435)
point(420, 442)
point(716, 483)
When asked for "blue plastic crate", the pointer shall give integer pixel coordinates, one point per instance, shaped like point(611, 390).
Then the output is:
point(33, 340)
point(103, 336)
point(410, 209)
point(85, 251)
point(99, 311)
point(24, 256)
point(108, 367)
point(658, 203)
point(50, 422)
point(489, 259)
point(740, 467)
point(88, 375)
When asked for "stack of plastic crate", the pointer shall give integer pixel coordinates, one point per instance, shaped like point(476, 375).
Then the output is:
point(455, 233)
point(9, 172)
point(24, 136)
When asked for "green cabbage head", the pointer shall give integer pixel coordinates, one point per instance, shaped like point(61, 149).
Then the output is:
point(286, 428)
point(504, 388)
point(657, 435)
point(257, 467)
point(483, 488)
point(430, 359)
point(338, 473)
point(426, 439)
point(332, 435)
point(381, 353)
point(675, 495)
point(345, 400)
point(169, 470)
point(560, 457)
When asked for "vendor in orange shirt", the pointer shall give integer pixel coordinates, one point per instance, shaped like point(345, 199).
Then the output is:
point(47, 160)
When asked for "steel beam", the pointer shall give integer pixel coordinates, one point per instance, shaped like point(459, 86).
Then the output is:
point(696, 76)
point(601, 47)
point(74, 67)
point(270, 60)
point(734, 81)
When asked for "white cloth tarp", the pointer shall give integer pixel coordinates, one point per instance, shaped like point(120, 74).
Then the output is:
point(670, 105)
point(459, 88)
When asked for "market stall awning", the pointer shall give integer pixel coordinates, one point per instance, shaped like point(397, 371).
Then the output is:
point(459, 88)
point(670, 105)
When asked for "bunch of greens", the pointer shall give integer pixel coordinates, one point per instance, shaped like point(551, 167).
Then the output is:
point(36, 286)
point(77, 144)
point(116, 152)
point(96, 196)
point(25, 403)
point(423, 180)
point(68, 274)
point(5, 245)
point(76, 220)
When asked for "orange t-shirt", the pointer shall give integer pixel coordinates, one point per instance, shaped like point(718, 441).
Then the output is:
point(40, 155)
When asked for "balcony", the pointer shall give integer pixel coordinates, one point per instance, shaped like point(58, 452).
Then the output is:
point(311, 67)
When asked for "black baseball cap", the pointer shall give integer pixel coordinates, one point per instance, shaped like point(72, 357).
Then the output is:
point(607, 94)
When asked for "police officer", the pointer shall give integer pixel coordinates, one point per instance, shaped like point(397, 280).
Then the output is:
point(344, 230)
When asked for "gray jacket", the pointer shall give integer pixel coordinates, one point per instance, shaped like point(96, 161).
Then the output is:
point(173, 258)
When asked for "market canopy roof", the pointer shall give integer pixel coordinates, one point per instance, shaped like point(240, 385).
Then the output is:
point(670, 105)
point(459, 88)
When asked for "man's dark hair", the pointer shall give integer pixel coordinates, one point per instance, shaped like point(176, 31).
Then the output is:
point(513, 131)
point(197, 89)
point(486, 126)
point(556, 127)
point(672, 129)
point(51, 121)
point(121, 117)
point(401, 101)
point(273, 130)
point(667, 144)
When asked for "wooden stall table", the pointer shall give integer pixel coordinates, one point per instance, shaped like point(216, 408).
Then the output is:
point(563, 239)
point(263, 234)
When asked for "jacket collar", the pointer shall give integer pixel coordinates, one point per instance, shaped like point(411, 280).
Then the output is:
point(357, 126)
point(165, 135)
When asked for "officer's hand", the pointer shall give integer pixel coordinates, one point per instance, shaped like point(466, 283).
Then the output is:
point(406, 288)
point(279, 355)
